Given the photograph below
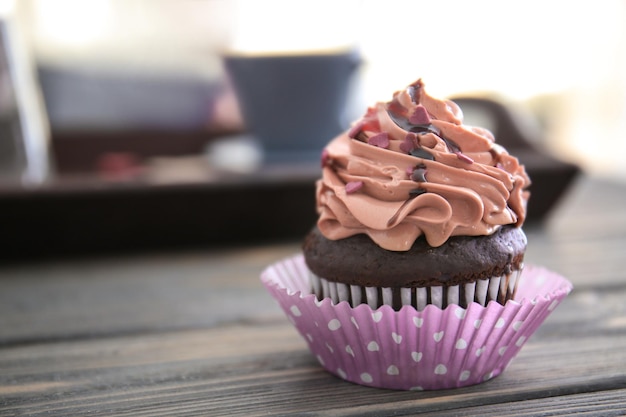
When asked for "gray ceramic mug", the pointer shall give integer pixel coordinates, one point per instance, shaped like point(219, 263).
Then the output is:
point(293, 104)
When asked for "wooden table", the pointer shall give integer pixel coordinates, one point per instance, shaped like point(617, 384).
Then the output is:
point(195, 333)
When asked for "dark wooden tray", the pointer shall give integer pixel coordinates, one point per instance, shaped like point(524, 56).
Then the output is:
point(84, 214)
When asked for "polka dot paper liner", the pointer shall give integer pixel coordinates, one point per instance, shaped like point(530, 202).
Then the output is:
point(414, 350)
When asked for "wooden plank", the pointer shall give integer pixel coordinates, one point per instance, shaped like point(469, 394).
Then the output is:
point(264, 368)
point(584, 238)
point(152, 292)
point(604, 403)
point(587, 263)
point(592, 209)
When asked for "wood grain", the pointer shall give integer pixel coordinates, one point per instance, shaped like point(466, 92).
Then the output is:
point(264, 368)
point(193, 333)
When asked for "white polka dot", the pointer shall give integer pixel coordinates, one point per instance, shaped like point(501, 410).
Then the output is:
point(393, 370)
point(308, 336)
point(517, 325)
point(295, 311)
point(334, 324)
point(477, 323)
point(418, 321)
point(500, 323)
point(320, 360)
point(441, 369)
point(464, 375)
point(520, 341)
point(330, 348)
point(460, 313)
point(377, 316)
point(365, 377)
point(396, 338)
point(353, 320)
point(488, 376)
point(373, 346)
point(460, 344)
point(502, 350)
point(349, 350)
point(553, 305)
point(480, 351)
point(438, 336)
point(417, 356)
point(342, 373)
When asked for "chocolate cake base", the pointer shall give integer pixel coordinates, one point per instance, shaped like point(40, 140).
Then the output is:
point(462, 271)
point(357, 260)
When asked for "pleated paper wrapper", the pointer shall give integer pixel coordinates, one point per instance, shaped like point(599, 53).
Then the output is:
point(414, 350)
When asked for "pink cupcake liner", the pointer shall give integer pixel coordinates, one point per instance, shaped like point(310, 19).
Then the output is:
point(409, 349)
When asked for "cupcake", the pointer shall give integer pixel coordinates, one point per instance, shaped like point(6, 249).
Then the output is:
point(413, 276)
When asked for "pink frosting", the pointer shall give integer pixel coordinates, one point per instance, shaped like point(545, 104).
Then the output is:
point(420, 171)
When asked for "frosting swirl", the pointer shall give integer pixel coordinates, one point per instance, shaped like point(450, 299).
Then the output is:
point(410, 167)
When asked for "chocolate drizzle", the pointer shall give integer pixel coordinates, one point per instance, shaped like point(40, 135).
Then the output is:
point(362, 136)
point(423, 129)
point(411, 91)
point(415, 192)
point(405, 124)
point(497, 157)
point(415, 91)
point(422, 153)
point(452, 145)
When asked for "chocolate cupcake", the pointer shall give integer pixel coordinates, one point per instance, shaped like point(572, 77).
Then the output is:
point(413, 276)
point(417, 208)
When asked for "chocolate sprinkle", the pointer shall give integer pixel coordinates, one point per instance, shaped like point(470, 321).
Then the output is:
point(353, 186)
point(380, 140)
point(410, 142)
point(419, 174)
point(420, 116)
point(464, 157)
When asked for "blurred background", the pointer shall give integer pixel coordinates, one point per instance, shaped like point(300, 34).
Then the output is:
point(136, 123)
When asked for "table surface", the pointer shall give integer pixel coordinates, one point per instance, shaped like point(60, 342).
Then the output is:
point(195, 333)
